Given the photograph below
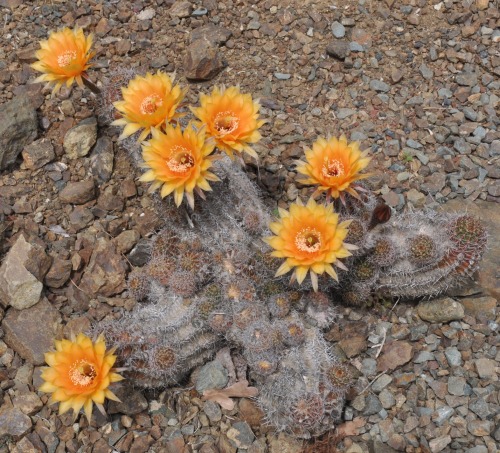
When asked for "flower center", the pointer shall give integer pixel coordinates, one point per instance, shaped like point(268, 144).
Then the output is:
point(181, 160)
point(308, 240)
point(332, 167)
point(226, 122)
point(82, 373)
point(66, 58)
point(151, 104)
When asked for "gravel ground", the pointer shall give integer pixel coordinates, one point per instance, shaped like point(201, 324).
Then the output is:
point(415, 81)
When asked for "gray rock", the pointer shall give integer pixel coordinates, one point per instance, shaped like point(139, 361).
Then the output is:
point(78, 192)
point(101, 159)
point(443, 309)
point(14, 423)
point(211, 376)
point(442, 415)
point(373, 405)
point(203, 61)
point(338, 49)
point(18, 128)
point(480, 407)
point(439, 443)
point(199, 12)
point(282, 76)
point(31, 332)
point(382, 382)
point(241, 435)
point(27, 402)
point(477, 449)
point(356, 47)
point(387, 399)
point(424, 356)
point(38, 153)
point(344, 113)
point(338, 29)
point(456, 385)
point(139, 255)
point(453, 356)
point(392, 148)
point(427, 73)
point(379, 85)
point(79, 139)
point(468, 79)
point(413, 144)
point(213, 411)
point(369, 367)
point(19, 288)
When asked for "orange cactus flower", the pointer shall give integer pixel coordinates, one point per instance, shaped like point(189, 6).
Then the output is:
point(231, 118)
point(178, 162)
point(311, 239)
point(334, 165)
point(64, 57)
point(149, 102)
point(79, 374)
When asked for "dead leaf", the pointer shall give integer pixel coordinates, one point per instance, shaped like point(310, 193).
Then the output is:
point(239, 389)
point(351, 428)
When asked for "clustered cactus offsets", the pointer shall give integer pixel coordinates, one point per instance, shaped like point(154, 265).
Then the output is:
point(216, 272)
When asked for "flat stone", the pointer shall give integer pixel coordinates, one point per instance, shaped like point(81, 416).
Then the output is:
point(442, 415)
point(19, 288)
point(386, 399)
point(79, 192)
point(416, 198)
point(28, 402)
point(14, 423)
point(486, 368)
point(394, 354)
point(373, 405)
point(480, 428)
point(101, 159)
point(480, 407)
point(444, 309)
point(354, 345)
point(423, 356)
point(241, 435)
point(379, 85)
point(217, 36)
point(285, 443)
point(213, 411)
point(453, 356)
point(439, 443)
point(31, 332)
point(203, 61)
point(434, 183)
point(38, 153)
point(338, 29)
point(456, 385)
point(18, 128)
point(105, 273)
point(211, 376)
point(382, 382)
point(79, 139)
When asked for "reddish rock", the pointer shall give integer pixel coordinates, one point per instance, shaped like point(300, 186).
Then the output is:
point(394, 354)
point(78, 192)
point(59, 273)
point(203, 61)
point(105, 274)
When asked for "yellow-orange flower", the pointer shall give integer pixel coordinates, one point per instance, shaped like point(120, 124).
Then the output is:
point(178, 162)
point(334, 165)
point(79, 374)
point(64, 57)
point(311, 239)
point(231, 118)
point(148, 102)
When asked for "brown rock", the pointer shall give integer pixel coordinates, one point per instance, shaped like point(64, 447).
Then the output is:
point(28, 402)
point(38, 153)
point(284, 443)
point(31, 332)
point(59, 273)
point(203, 61)
point(482, 4)
point(489, 214)
point(123, 46)
point(105, 274)
point(14, 423)
point(181, 9)
point(38, 262)
point(78, 192)
point(126, 240)
point(394, 354)
point(249, 412)
point(216, 36)
point(483, 306)
point(19, 288)
point(24, 446)
point(353, 345)
point(142, 444)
